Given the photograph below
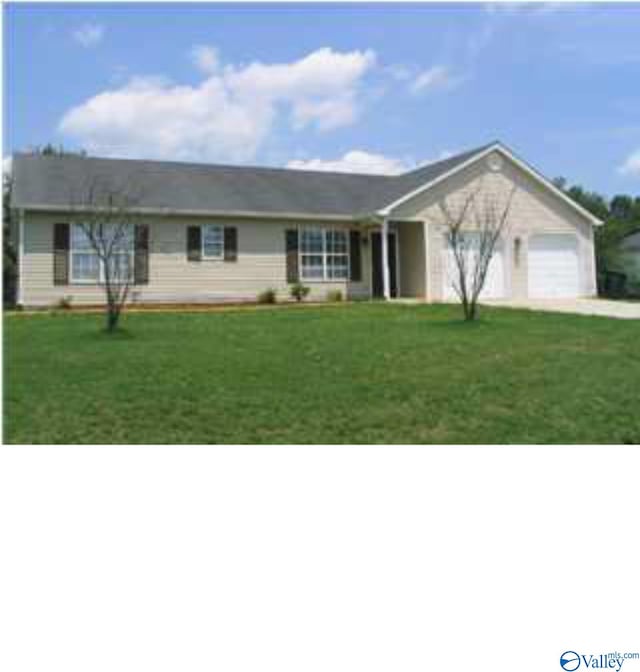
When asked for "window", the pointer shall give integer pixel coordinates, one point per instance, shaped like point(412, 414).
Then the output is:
point(337, 255)
point(212, 241)
point(85, 263)
point(312, 254)
point(324, 254)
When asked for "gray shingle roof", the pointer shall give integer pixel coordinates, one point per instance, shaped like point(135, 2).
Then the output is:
point(41, 181)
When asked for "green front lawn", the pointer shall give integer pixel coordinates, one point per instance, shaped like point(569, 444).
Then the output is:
point(362, 373)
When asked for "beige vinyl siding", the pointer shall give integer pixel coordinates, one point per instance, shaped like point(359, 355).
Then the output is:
point(411, 259)
point(534, 210)
point(261, 264)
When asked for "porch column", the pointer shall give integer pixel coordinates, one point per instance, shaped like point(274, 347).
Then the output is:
point(386, 284)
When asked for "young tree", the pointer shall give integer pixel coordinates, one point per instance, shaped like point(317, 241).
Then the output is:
point(473, 231)
point(108, 224)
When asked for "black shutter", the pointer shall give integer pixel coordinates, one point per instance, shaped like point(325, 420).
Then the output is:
point(61, 254)
point(291, 237)
point(230, 243)
point(141, 255)
point(194, 243)
point(355, 261)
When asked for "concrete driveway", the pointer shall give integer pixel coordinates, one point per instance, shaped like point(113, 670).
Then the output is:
point(624, 310)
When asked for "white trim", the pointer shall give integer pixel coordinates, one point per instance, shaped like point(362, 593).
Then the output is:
point(496, 147)
point(593, 289)
point(211, 257)
point(20, 274)
point(228, 214)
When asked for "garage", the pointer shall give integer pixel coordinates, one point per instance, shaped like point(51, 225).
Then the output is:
point(553, 266)
point(494, 286)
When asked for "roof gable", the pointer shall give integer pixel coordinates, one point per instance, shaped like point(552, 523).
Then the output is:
point(471, 158)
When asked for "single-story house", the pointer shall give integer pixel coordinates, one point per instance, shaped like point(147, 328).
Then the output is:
point(226, 233)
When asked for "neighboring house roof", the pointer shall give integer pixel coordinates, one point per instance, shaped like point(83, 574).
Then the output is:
point(47, 182)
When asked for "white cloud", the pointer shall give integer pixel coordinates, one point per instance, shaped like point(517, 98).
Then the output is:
point(89, 34)
point(529, 8)
point(399, 72)
point(7, 163)
point(436, 77)
point(355, 161)
point(227, 116)
point(631, 166)
point(360, 161)
point(480, 40)
point(205, 58)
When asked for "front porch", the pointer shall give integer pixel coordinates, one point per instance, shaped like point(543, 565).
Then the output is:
point(397, 252)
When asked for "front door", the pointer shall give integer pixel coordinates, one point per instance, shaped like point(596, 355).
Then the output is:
point(376, 261)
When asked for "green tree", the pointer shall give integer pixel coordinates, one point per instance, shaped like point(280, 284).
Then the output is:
point(51, 150)
point(621, 207)
point(621, 215)
point(590, 200)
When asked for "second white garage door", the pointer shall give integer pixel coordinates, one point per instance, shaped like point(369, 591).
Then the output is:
point(494, 286)
point(553, 266)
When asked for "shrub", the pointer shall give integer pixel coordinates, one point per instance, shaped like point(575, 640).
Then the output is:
point(334, 295)
point(268, 296)
point(64, 303)
point(299, 291)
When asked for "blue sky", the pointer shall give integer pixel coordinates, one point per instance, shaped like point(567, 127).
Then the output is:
point(354, 87)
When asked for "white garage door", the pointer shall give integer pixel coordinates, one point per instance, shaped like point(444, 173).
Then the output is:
point(553, 266)
point(494, 286)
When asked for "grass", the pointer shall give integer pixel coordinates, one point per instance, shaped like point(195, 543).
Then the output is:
point(362, 373)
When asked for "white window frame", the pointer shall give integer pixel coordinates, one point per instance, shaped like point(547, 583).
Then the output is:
point(100, 279)
point(325, 254)
point(212, 257)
